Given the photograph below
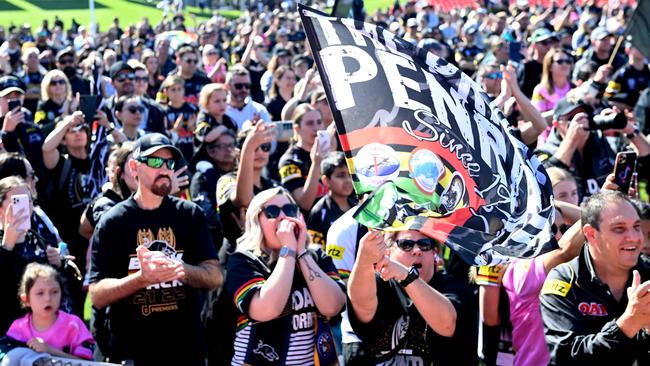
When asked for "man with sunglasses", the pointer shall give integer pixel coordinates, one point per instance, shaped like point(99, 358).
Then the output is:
point(66, 61)
point(241, 107)
point(187, 60)
point(541, 41)
point(424, 317)
point(152, 257)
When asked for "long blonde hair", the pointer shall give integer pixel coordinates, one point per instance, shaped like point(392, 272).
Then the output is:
point(253, 237)
point(47, 79)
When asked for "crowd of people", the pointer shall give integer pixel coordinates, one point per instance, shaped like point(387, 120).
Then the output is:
point(198, 196)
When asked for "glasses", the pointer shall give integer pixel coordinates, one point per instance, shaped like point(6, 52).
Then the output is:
point(240, 86)
point(493, 75)
point(191, 61)
point(221, 146)
point(57, 82)
point(563, 229)
point(66, 61)
point(156, 162)
point(273, 211)
point(135, 109)
point(564, 61)
point(266, 147)
point(123, 77)
point(141, 79)
point(425, 245)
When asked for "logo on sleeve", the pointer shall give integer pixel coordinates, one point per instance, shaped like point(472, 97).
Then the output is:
point(335, 251)
point(556, 287)
point(593, 309)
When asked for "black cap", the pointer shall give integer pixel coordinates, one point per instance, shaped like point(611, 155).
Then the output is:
point(152, 142)
point(564, 107)
point(282, 52)
point(68, 51)
point(10, 84)
point(119, 66)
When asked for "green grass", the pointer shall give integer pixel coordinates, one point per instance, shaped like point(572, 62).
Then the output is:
point(372, 5)
point(129, 12)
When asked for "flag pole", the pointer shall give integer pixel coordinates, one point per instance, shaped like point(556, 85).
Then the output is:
point(91, 7)
point(618, 45)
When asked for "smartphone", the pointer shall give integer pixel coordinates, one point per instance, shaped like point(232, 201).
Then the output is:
point(13, 104)
point(21, 202)
point(88, 104)
point(283, 130)
point(624, 169)
point(323, 140)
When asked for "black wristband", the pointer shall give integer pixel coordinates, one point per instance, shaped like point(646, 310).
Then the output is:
point(413, 275)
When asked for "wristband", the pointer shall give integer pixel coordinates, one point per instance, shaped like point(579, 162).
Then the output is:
point(304, 253)
point(110, 129)
point(413, 275)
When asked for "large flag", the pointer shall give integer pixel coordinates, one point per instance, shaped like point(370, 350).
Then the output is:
point(436, 154)
point(639, 27)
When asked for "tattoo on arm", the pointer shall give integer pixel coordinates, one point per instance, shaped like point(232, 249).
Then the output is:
point(312, 273)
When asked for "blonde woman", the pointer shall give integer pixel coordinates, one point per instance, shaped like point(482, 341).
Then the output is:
point(282, 290)
point(56, 100)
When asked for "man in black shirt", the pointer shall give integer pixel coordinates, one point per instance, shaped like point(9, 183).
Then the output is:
point(595, 308)
point(187, 60)
point(542, 41)
point(152, 253)
point(66, 61)
point(631, 79)
point(600, 51)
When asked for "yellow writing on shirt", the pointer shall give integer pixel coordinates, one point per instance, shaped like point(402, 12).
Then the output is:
point(489, 275)
point(335, 251)
point(317, 237)
point(556, 287)
point(289, 172)
point(223, 185)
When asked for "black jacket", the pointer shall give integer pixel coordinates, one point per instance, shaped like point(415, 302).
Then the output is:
point(580, 313)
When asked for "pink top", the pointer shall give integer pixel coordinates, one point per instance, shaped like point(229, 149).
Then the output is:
point(544, 101)
point(68, 334)
point(523, 281)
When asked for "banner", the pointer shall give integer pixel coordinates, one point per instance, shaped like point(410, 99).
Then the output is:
point(639, 28)
point(436, 154)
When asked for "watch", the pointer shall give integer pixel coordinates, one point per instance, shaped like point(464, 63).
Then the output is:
point(287, 252)
point(413, 275)
point(110, 129)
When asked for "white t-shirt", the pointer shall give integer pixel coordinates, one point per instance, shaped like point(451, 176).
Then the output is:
point(240, 116)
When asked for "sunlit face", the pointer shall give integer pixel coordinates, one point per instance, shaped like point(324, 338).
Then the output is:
point(4, 101)
point(152, 64)
point(645, 226)
point(309, 126)
point(619, 239)
point(156, 180)
point(270, 226)
point(566, 191)
point(217, 103)
point(222, 149)
point(424, 261)
point(76, 138)
point(58, 86)
point(340, 182)
point(176, 93)
point(141, 82)
point(562, 64)
point(44, 298)
point(287, 80)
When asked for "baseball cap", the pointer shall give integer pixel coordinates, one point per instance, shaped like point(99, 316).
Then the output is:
point(119, 66)
point(542, 34)
point(152, 142)
point(565, 106)
point(470, 28)
point(68, 51)
point(599, 33)
point(10, 84)
point(429, 44)
point(411, 22)
point(318, 95)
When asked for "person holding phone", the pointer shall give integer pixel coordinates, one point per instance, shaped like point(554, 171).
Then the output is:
point(283, 291)
point(20, 246)
point(300, 165)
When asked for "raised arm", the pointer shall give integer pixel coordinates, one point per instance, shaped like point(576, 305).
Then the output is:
point(53, 140)
point(362, 285)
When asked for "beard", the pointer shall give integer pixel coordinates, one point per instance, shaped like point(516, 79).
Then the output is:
point(69, 71)
point(162, 186)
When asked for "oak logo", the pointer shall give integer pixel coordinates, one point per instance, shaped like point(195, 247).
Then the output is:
point(593, 309)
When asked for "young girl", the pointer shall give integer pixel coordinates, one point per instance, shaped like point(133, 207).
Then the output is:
point(181, 116)
point(45, 328)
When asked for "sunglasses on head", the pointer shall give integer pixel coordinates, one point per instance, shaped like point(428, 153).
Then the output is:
point(123, 77)
point(156, 162)
point(57, 82)
point(563, 229)
point(273, 211)
point(135, 109)
point(266, 147)
point(240, 86)
point(407, 245)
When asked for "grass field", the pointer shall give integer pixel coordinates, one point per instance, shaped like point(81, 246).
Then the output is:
point(129, 11)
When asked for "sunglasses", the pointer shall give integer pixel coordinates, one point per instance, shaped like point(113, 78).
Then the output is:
point(221, 146)
point(191, 61)
point(265, 147)
point(563, 229)
point(240, 86)
point(135, 109)
point(57, 82)
point(156, 162)
point(273, 211)
point(141, 79)
point(425, 245)
point(66, 61)
point(564, 61)
point(493, 75)
point(123, 77)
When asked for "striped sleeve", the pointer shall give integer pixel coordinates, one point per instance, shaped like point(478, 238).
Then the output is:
point(244, 278)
